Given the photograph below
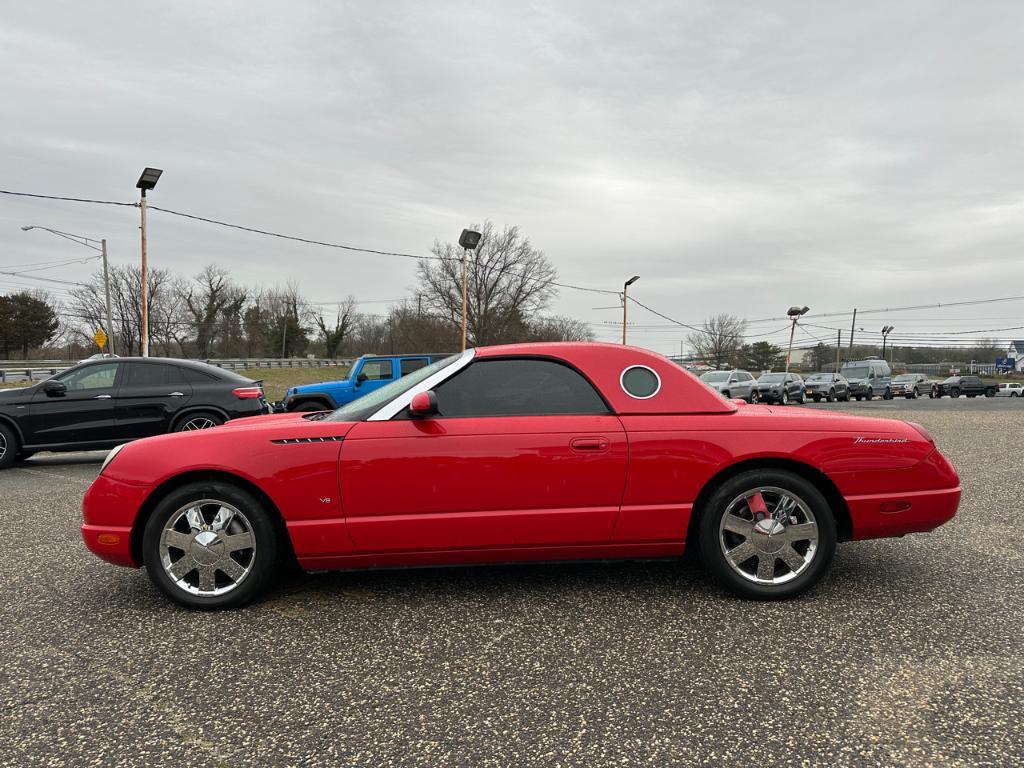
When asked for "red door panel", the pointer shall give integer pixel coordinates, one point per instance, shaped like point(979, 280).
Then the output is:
point(483, 482)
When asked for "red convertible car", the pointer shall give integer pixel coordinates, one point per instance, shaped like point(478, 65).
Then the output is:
point(517, 453)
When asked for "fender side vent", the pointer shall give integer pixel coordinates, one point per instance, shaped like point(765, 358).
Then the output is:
point(297, 440)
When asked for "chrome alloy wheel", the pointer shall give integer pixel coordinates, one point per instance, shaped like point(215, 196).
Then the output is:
point(768, 535)
point(200, 422)
point(3, 446)
point(207, 548)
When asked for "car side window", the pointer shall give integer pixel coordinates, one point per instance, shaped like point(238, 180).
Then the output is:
point(377, 370)
point(147, 375)
point(409, 365)
point(518, 387)
point(91, 377)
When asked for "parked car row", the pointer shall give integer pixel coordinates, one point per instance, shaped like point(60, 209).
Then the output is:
point(857, 380)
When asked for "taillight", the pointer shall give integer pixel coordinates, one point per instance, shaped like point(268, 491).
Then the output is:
point(247, 393)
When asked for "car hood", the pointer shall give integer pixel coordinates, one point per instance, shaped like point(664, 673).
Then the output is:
point(17, 394)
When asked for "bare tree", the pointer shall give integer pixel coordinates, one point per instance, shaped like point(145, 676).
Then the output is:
point(211, 301)
point(560, 328)
point(334, 335)
point(87, 306)
point(509, 282)
point(720, 340)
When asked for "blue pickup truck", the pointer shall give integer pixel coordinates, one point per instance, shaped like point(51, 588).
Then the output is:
point(368, 373)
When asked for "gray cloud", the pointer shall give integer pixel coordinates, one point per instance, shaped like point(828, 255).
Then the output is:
point(738, 157)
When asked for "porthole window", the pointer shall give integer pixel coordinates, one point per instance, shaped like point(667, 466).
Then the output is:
point(640, 382)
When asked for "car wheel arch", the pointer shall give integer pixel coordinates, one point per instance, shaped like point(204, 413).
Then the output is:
point(8, 421)
point(828, 489)
point(198, 409)
point(172, 484)
point(306, 400)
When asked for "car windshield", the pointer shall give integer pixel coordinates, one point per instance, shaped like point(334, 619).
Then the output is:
point(905, 377)
point(713, 377)
point(819, 377)
point(858, 372)
point(772, 378)
point(951, 380)
point(365, 406)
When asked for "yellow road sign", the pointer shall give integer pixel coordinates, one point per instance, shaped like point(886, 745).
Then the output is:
point(100, 338)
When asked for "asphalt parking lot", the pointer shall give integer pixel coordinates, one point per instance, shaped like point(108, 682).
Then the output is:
point(909, 654)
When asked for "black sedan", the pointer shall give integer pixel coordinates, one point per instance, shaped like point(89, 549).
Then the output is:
point(102, 403)
point(780, 388)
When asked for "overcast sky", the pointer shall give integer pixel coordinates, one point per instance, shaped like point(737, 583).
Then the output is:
point(738, 157)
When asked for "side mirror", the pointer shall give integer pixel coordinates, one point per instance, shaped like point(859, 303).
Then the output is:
point(361, 378)
point(423, 404)
point(54, 388)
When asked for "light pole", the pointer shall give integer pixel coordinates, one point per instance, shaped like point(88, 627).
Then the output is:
point(796, 313)
point(102, 248)
point(886, 330)
point(469, 240)
point(625, 302)
point(148, 180)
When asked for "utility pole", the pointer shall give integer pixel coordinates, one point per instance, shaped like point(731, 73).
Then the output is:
point(106, 290)
point(469, 240)
point(839, 344)
point(796, 313)
point(625, 302)
point(853, 326)
point(147, 180)
point(465, 280)
point(145, 281)
point(284, 334)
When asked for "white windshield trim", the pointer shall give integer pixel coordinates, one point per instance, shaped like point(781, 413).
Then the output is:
point(391, 409)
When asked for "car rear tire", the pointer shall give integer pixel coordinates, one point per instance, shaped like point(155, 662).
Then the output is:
point(767, 535)
point(198, 420)
point(753, 397)
point(210, 545)
point(8, 446)
point(990, 392)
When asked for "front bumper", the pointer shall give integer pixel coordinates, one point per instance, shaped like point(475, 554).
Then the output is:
point(109, 509)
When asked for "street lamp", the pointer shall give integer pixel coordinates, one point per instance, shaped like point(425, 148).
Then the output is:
point(886, 330)
point(147, 181)
point(469, 240)
point(796, 313)
point(625, 302)
point(102, 248)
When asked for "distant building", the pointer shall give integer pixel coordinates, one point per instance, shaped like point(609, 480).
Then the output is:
point(1016, 351)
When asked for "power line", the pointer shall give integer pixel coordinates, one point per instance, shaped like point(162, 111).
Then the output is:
point(68, 199)
point(352, 248)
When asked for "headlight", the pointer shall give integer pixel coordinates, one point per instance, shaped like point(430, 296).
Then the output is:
point(111, 455)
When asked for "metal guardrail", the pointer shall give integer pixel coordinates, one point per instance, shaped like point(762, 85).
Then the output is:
point(241, 363)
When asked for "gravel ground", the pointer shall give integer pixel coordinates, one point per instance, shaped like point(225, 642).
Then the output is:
point(909, 654)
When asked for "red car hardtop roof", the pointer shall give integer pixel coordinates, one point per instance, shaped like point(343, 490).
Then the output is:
point(604, 364)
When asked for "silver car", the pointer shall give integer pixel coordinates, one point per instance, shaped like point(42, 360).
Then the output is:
point(730, 384)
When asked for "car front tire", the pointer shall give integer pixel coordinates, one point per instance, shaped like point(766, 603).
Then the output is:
point(784, 398)
point(767, 535)
point(210, 545)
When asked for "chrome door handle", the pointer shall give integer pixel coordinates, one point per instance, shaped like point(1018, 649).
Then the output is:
point(176, 394)
point(595, 444)
point(102, 397)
